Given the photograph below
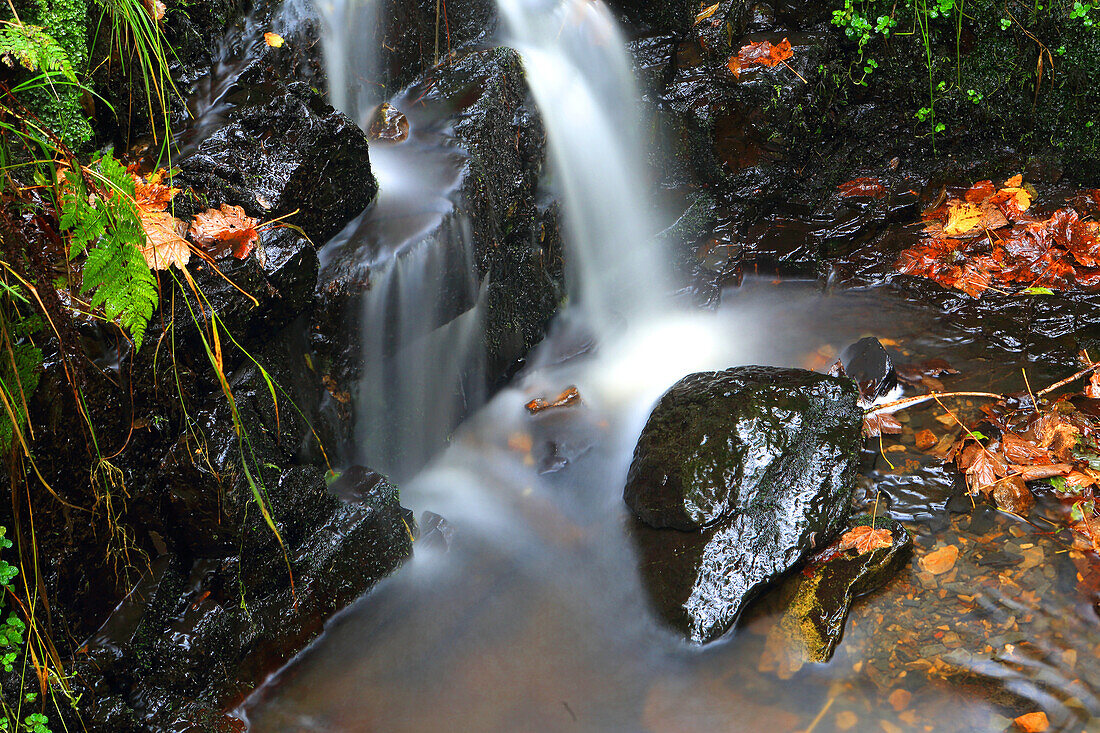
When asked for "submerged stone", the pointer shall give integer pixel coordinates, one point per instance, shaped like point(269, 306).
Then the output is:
point(736, 476)
point(818, 599)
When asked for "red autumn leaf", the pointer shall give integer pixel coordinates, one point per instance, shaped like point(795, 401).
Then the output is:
point(862, 187)
point(227, 228)
point(979, 192)
point(761, 53)
point(864, 539)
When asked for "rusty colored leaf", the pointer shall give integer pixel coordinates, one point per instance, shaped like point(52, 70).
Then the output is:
point(570, 395)
point(979, 192)
point(1019, 450)
point(984, 470)
point(225, 229)
point(150, 193)
point(864, 539)
point(1034, 473)
point(862, 187)
point(940, 561)
point(760, 53)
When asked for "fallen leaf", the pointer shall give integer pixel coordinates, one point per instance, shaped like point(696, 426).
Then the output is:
point(706, 13)
point(940, 561)
point(984, 469)
point(880, 423)
point(273, 39)
point(150, 193)
point(164, 242)
point(961, 218)
point(155, 8)
point(225, 228)
point(761, 53)
point(1032, 722)
point(567, 397)
point(864, 539)
point(861, 187)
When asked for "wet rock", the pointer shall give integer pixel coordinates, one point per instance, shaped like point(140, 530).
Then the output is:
point(235, 601)
point(867, 362)
point(818, 598)
point(736, 476)
point(497, 207)
point(281, 150)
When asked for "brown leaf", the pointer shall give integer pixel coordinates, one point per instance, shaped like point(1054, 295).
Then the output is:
point(984, 470)
point(864, 539)
point(1019, 450)
point(880, 423)
point(1034, 473)
point(567, 397)
point(150, 193)
point(761, 53)
point(164, 242)
point(862, 187)
point(225, 229)
point(940, 561)
point(1092, 389)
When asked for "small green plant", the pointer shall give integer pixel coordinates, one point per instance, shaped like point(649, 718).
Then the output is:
point(1083, 11)
point(106, 224)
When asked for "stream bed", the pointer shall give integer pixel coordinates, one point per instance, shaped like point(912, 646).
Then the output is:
point(526, 612)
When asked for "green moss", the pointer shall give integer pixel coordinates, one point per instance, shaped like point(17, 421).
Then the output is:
point(59, 105)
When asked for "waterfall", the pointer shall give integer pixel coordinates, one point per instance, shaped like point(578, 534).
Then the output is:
point(580, 75)
point(352, 35)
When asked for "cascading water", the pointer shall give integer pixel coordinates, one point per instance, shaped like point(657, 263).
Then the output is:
point(351, 42)
point(579, 73)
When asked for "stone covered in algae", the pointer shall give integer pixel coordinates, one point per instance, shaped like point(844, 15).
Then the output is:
point(817, 600)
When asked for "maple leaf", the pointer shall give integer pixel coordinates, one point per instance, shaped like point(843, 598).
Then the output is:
point(273, 39)
point(150, 193)
point(761, 53)
point(164, 242)
point(864, 539)
point(880, 423)
point(225, 228)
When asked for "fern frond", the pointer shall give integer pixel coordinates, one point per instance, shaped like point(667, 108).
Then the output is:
point(108, 229)
point(34, 49)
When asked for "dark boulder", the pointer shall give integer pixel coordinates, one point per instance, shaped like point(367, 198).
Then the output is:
point(736, 476)
point(818, 599)
point(281, 150)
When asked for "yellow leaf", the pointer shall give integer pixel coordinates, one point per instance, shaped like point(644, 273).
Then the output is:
point(961, 218)
point(164, 242)
point(273, 39)
point(706, 13)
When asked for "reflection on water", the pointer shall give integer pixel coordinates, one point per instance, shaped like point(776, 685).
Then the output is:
point(534, 620)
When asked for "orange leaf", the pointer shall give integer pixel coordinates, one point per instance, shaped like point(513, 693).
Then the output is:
point(223, 228)
point(164, 242)
point(569, 396)
point(941, 560)
point(961, 218)
point(273, 39)
point(150, 194)
point(761, 53)
point(706, 13)
point(858, 187)
point(864, 539)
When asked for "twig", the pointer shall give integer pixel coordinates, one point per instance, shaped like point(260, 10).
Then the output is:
point(907, 401)
point(795, 72)
point(1067, 380)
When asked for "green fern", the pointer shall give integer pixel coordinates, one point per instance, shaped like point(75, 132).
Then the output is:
point(32, 48)
point(108, 228)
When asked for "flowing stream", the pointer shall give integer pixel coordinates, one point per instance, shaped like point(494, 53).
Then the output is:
point(526, 612)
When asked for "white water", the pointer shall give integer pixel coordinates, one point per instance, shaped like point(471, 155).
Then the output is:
point(352, 36)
